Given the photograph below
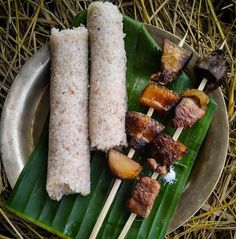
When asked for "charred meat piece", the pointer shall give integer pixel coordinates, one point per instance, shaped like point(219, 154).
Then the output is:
point(123, 167)
point(191, 108)
point(214, 68)
point(187, 113)
point(143, 196)
point(173, 59)
point(159, 97)
point(199, 96)
point(141, 128)
point(157, 167)
point(164, 150)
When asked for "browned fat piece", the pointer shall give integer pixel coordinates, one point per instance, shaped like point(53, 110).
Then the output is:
point(214, 68)
point(191, 108)
point(123, 167)
point(143, 196)
point(141, 128)
point(199, 96)
point(173, 59)
point(164, 150)
point(159, 97)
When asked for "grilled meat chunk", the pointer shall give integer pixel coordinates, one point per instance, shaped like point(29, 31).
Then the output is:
point(173, 59)
point(187, 113)
point(213, 67)
point(141, 128)
point(165, 150)
point(191, 108)
point(159, 97)
point(143, 196)
point(157, 167)
point(199, 96)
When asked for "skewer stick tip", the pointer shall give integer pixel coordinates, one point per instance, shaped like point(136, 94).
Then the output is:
point(181, 43)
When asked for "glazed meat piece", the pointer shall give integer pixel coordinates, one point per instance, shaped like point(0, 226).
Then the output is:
point(213, 67)
point(159, 97)
point(157, 167)
point(164, 150)
point(141, 128)
point(173, 59)
point(143, 196)
point(191, 108)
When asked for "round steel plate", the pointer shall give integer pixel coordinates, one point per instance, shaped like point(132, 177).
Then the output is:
point(27, 106)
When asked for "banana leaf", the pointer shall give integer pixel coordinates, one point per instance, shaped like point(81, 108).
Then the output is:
point(74, 216)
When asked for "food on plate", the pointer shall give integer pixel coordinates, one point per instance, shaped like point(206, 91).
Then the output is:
point(213, 67)
point(108, 98)
point(157, 167)
point(122, 166)
point(68, 153)
point(173, 59)
point(164, 150)
point(143, 196)
point(199, 96)
point(191, 108)
point(141, 128)
point(159, 97)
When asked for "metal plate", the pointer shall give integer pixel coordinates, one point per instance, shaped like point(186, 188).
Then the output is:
point(27, 106)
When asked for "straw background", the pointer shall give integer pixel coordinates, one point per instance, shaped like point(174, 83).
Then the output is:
point(25, 27)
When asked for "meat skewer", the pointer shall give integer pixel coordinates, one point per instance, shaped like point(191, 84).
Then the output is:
point(143, 196)
point(142, 129)
point(163, 150)
point(175, 137)
point(118, 182)
point(173, 59)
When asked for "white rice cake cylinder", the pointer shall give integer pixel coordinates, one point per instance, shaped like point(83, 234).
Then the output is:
point(68, 154)
point(108, 99)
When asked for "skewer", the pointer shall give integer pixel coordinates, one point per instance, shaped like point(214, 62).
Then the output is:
point(155, 174)
point(118, 182)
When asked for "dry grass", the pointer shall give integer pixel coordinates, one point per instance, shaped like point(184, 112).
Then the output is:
point(25, 27)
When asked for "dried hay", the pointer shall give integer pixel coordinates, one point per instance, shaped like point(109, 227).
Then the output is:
point(25, 27)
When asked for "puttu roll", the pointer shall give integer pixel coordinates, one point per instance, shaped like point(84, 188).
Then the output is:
point(108, 98)
point(68, 153)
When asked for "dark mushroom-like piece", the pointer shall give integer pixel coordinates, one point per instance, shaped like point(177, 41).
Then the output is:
point(213, 67)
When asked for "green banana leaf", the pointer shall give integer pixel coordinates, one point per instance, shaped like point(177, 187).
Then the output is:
point(74, 216)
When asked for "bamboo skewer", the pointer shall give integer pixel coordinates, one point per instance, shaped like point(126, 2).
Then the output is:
point(155, 175)
point(118, 182)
